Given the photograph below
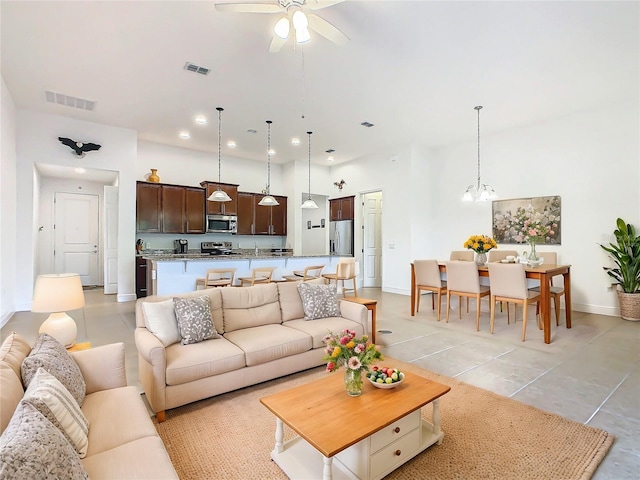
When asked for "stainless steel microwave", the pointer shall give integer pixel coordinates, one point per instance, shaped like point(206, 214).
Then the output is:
point(222, 224)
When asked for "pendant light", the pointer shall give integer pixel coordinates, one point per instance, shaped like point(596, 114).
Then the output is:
point(480, 192)
point(268, 200)
point(219, 195)
point(309, 203)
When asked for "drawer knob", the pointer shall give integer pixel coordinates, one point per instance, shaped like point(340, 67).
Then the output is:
point(398, 453)
point(397, 429)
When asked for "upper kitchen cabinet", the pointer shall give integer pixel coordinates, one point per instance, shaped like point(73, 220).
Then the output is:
point(224, 208)
point(341, 208)
point(162, 208)
point(254, 219)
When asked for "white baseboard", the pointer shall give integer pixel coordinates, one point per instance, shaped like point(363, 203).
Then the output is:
point(126, 297)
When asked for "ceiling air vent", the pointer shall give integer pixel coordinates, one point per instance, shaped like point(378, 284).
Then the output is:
point(192, 67)
point(69, 101)
point(367, 124)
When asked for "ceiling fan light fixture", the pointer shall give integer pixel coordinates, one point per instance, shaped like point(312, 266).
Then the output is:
point(300, 20)
point(302, 35)
point(282, 28)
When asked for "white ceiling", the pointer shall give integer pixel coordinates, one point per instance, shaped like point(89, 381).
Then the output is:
point(414, 69)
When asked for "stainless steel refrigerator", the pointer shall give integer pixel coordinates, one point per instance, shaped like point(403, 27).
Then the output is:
point(341, 237)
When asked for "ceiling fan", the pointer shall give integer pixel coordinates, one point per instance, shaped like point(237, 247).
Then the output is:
point(297, 15)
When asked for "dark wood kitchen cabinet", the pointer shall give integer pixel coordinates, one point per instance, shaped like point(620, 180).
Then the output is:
point(341, 208)
point(254, 219)
point(162, 208)
point(224, 208)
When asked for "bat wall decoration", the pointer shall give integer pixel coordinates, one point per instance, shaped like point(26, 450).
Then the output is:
point(79, 148)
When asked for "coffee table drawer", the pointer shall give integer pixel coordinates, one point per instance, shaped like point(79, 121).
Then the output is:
point(395, 431)
point(395, 454)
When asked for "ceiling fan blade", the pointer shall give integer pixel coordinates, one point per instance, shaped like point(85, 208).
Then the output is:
point(248, 7)
point(327, 30)
point(318, 4)
point(276, 44)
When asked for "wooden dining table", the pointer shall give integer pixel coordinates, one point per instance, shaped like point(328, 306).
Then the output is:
point(543, 273)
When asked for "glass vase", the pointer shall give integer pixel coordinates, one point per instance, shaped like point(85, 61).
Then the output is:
point(533, 256)
point(481, 259)
point(353, 382)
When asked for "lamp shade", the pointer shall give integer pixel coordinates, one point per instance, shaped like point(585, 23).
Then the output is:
point(56, 293)
point(268, 201)
point(219, 196)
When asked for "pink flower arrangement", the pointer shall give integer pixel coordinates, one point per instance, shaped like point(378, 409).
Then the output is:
point(346, 349)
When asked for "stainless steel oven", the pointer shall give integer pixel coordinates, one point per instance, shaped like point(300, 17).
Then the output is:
point(222, 224)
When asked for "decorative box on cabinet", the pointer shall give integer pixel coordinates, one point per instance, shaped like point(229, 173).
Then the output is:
point(341, 208)
point(224, 208)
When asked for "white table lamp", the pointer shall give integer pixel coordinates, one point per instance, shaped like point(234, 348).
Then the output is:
point(57, 293)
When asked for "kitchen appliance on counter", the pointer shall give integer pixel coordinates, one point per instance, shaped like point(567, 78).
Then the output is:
point(222, 224)
point(181, 246)
point(341, 237)
point(216, 248)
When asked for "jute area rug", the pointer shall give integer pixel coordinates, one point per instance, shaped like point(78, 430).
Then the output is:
point(486, 436)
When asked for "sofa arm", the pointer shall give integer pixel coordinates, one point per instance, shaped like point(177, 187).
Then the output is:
point(355, 312)
point(102, 367)
point(152, 367)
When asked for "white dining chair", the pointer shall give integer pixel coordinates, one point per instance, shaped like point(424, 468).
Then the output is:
point(463, 280)
point(428, 278)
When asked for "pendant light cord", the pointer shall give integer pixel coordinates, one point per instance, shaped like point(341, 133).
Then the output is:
point(269, 157)
point(220, 109)
point(309, 191)
point(478, 110)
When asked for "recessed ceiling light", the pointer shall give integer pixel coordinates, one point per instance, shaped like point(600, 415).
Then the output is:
point(231, 144)
point(329, 159)
point(184, 135)
point(295, 141)
point(80, 170)
point(201, 120)
point(272, 152)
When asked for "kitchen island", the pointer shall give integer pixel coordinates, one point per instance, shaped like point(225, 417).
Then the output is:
point(169, 274)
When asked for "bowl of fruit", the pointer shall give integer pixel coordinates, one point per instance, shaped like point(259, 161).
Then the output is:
point(385, 377)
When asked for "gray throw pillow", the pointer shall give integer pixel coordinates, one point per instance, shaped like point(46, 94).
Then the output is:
point(194, 319)
point(32, 447)
point(318, 301)
point(51, 355)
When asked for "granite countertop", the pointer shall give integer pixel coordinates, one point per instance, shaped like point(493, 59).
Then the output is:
point(166, 256)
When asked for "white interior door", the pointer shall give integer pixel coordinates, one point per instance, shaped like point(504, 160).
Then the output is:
point(76, 235)
point(372, 251)
point(110, 239)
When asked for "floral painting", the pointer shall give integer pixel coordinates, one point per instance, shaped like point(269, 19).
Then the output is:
point(517, 220)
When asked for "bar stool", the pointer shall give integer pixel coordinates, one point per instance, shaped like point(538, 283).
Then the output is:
point(311, 272)
point(258, 275)
point(216, 277)
point(346, 270)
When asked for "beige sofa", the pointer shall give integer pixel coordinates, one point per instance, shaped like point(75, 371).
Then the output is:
point(122, 440)
point(263, 336)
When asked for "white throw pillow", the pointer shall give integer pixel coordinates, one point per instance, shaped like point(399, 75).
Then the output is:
point(160, 319)
point(53, 400)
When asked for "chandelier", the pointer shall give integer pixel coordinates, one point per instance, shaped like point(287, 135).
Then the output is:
point(481, 192)
point(219, 195)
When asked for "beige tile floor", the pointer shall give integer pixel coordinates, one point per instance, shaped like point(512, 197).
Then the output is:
point(589, 373)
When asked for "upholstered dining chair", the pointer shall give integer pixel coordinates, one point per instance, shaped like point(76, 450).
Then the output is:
point(499, 255)
point(258, 275)
point(345, 270)
point(463, 280)
point(217, 277)
point(509, 284)
point(428, 278)
point(312, 272)
point(551, 258)
point(466, 255)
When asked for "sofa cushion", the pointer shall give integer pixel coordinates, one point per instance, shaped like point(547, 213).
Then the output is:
point(290, 301)
point(318, 301)
point(10, 394)
point(194, 319)
point(250, 306)
point(318, 329)
point(32, 447)
point(117, 416)
point(13, 351)
point(144, 458)
point(201, 360)
point(269, 342)
point(51, 355)
point(55, 402)
point(160, 319)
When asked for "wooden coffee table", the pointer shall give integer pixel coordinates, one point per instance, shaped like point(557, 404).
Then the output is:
point(364, 437)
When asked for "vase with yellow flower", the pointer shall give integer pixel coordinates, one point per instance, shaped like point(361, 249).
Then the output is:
point(481, 244)
point(355, 354)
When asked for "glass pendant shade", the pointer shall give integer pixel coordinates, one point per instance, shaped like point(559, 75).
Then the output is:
point(219, 195)
point(309, 203)
point(268, 200)
point(282, 28)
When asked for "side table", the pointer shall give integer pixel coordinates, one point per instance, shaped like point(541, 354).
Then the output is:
point(371, 306)
point(79, 346)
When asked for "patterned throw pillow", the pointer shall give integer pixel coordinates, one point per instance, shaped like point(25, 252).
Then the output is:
point(318, 301)
point(51, 355)
point(194, 319)
point(55, 402)
point(32, 447)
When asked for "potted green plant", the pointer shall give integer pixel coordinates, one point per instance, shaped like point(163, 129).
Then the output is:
point(626, 255)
